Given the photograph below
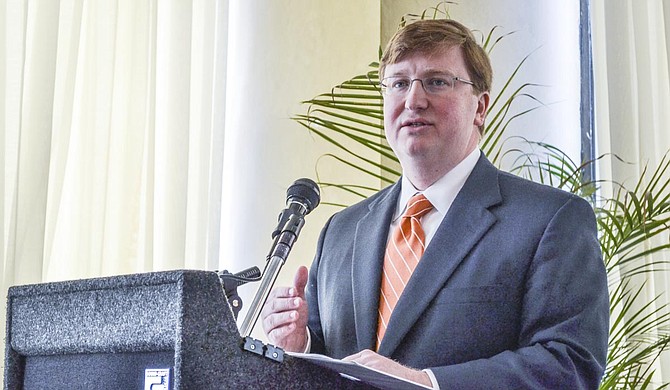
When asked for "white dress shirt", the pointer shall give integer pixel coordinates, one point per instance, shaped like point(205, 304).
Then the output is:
point(441, 195)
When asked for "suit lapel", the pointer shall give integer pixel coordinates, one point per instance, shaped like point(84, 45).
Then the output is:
point(465, 224)
point(368, 258)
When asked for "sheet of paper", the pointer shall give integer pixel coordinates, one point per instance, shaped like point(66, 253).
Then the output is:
point(355, 371)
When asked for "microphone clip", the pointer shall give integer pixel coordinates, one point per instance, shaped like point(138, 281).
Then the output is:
point(294, 209)
point(286, 236)
point(230, 283)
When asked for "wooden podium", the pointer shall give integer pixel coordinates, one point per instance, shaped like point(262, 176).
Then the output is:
point(162, 330)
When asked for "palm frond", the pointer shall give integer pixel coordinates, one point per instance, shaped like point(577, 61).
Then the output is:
point(638, 335)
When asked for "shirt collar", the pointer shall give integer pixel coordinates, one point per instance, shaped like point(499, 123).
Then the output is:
point(443, 192)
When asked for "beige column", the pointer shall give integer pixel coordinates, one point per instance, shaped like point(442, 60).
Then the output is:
point(281, 53)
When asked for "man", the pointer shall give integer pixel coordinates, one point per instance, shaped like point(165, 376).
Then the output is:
point(510, 291)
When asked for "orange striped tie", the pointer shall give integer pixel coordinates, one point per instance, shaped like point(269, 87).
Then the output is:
point(402, 255)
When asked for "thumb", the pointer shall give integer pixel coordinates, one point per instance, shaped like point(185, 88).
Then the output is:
point(300, 280)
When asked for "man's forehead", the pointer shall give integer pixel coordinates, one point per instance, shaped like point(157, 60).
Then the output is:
point(428, 61)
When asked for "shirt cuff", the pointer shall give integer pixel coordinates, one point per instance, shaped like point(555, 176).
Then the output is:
point(433, 380)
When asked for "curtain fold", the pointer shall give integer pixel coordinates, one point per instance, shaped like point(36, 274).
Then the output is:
point(35, 97)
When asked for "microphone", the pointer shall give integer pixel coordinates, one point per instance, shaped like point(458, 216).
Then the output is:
point(301, 198)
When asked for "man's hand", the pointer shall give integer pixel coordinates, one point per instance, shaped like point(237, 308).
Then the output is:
point(284, 315)
point(372, 359)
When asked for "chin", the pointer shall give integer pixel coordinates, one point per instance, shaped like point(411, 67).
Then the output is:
point(418, 147)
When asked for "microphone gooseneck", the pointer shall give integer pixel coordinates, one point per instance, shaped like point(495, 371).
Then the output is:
point(301, 198)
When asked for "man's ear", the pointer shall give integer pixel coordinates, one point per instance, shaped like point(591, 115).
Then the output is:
point(482, 107)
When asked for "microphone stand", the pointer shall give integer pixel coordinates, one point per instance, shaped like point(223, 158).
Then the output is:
point(278, 255)
point(301, 198)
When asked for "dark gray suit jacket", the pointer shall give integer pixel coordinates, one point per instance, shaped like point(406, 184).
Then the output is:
point(511, 293)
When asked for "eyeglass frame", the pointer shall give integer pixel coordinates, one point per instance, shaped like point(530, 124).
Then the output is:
point(384, 88)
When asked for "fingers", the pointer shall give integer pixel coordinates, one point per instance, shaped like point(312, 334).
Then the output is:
point(284, 315)
point(291, 338)
point(282, 299)
point(282, 310)
point(283, 292)
point(300, 280)
point(369, 358)
point(280, 326)
point(298, 289)
point(372, 359)
point(285, 323)
point(364, 356)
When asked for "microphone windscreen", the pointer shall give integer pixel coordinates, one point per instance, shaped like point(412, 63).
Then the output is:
point(305, 191)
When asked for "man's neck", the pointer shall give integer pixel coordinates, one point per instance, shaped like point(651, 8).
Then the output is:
point(423, 178)
point(423, 175)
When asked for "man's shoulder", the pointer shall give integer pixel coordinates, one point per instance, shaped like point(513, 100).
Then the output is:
point(514, 181)
point(533, 193)
point(506, 186)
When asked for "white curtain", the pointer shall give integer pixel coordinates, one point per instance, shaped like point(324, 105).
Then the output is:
point(111, 116)
point(631, 42)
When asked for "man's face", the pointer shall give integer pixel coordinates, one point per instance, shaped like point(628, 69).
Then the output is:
point(433, 131)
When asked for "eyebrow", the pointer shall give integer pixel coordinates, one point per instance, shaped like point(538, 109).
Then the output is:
point(430, 72)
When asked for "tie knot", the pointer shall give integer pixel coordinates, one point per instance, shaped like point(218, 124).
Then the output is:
point(417, 206)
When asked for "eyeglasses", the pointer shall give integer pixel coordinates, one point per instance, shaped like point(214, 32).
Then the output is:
point(398, 86)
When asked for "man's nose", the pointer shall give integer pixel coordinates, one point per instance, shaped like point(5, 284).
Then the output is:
point(416, 98)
